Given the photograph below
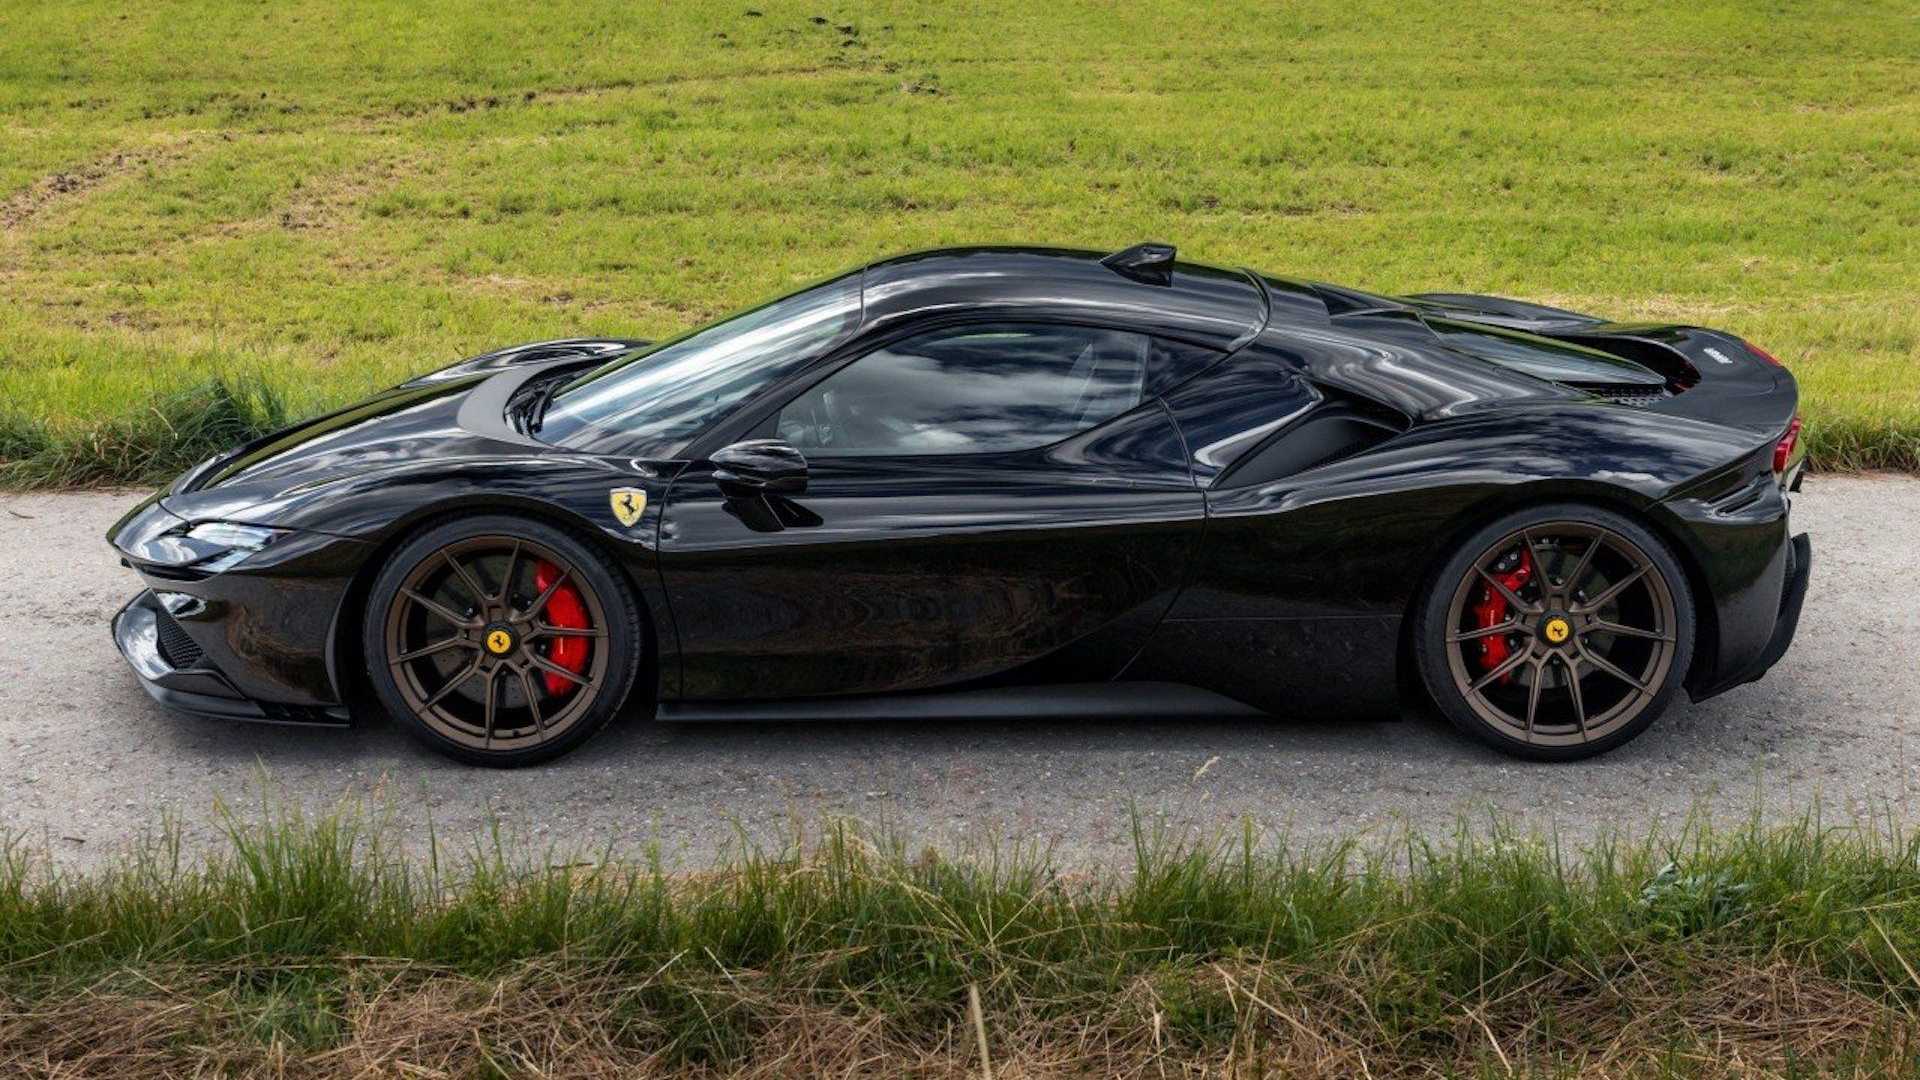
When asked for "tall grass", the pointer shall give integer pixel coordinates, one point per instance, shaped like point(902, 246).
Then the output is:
point(1479, 949)
point(343, 196)
point(166, 435)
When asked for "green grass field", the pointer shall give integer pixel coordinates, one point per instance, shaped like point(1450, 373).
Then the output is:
point(213, 214)
point(310, 948)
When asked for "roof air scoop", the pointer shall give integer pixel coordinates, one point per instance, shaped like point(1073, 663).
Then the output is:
point(1149, 263)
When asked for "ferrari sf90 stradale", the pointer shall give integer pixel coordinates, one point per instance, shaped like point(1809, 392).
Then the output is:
point(1005, 482)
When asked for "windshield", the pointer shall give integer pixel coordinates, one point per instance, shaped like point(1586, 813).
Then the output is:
point(652, 403)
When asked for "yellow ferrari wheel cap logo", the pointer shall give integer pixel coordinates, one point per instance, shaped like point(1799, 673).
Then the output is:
point(499, 642)
point(628, 504)
point(1558, 630)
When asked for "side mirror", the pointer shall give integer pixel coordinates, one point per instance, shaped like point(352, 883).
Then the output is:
point(759, 467)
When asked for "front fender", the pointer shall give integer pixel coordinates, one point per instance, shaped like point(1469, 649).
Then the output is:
point(379, 503)
point(381, 509)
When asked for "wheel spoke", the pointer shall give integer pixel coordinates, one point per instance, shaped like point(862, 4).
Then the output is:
point(493, 680)
point(540, 603)
point(428, 650)
point(466, 579)
point(1615, 589)
point(439, 609)
point(1573, 688)
point(1533, 694)
point(541, 630)
point(1533, 552)
point(545, 664)
point(1572, 581)
point(506, 579)
point(1506, 593)
point(1505, 666)
point(462, 676)
point(533, 700)
point(1610, 668)
point(1602, 626)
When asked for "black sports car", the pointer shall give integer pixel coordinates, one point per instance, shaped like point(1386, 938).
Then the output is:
point(1005, 481)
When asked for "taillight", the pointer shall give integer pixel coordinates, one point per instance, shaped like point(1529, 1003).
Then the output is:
point(1783, 450)
point(1771, 359)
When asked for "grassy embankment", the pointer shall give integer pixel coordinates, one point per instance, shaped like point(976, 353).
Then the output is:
point(216, 215)
point(310, 948)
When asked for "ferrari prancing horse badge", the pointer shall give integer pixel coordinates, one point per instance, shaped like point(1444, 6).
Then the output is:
point(628, 504)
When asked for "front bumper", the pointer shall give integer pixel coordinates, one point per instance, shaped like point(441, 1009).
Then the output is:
point(251, 642)
point(175, 672)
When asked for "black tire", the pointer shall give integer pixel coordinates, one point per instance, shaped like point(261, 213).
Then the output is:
point(1647, 655)
point(486, 553)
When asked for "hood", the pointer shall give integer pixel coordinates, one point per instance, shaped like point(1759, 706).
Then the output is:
point(435, 425)
point(390, 430)
point(443, 417)
point(531, 353)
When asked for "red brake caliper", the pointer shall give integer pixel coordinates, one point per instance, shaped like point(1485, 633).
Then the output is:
point(564, 609)
point(1492, 611)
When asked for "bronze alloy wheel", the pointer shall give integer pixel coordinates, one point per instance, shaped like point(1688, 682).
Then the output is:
point(498, 643)
point(1562, 633)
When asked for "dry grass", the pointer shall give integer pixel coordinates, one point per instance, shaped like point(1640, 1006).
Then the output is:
point(1683, 1013)
point(314, 949)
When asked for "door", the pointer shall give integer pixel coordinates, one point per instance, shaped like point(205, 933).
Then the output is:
point(984, 503)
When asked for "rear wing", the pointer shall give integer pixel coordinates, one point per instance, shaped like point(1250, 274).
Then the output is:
point(1712, 376)
point(1722, 379)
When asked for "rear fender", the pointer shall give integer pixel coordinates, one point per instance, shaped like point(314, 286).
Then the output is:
point(1358, 537)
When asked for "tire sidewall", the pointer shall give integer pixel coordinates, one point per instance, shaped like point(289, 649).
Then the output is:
point(625, 639)
point(1430, 625)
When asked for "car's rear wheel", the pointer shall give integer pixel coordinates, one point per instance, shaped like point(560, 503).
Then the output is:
point(501, 640)
point(1556, 633)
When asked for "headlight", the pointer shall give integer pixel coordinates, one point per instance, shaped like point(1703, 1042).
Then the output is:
point(210, 546)
point(235, 542)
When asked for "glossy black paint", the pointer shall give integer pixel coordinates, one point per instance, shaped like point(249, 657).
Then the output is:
point(759, 467)
point(1128, 552)
point(916, 573)
point(1200, 304)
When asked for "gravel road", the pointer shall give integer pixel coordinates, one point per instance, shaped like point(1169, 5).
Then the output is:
point(89, 762)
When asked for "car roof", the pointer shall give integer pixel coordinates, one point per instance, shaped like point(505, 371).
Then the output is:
point(1205, 304)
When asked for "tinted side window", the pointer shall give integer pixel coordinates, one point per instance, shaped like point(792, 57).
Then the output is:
point(1172, 363)
point(972, 390)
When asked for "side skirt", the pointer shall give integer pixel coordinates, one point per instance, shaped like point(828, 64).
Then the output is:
point(1067, 700)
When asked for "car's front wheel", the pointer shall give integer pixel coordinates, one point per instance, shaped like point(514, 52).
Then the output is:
point(1557, 632)
point(501, 640)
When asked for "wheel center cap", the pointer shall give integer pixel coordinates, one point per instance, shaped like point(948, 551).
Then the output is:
point(1556, 629)
point(499, 640)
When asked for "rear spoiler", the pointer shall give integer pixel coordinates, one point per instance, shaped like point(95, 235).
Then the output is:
point(1714, 376)
point(1724, 381)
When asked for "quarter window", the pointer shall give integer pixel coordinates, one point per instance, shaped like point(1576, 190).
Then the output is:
point(972, 390)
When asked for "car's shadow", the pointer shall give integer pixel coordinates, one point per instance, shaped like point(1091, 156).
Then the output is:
point(1686, 735)
point(639, 741)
